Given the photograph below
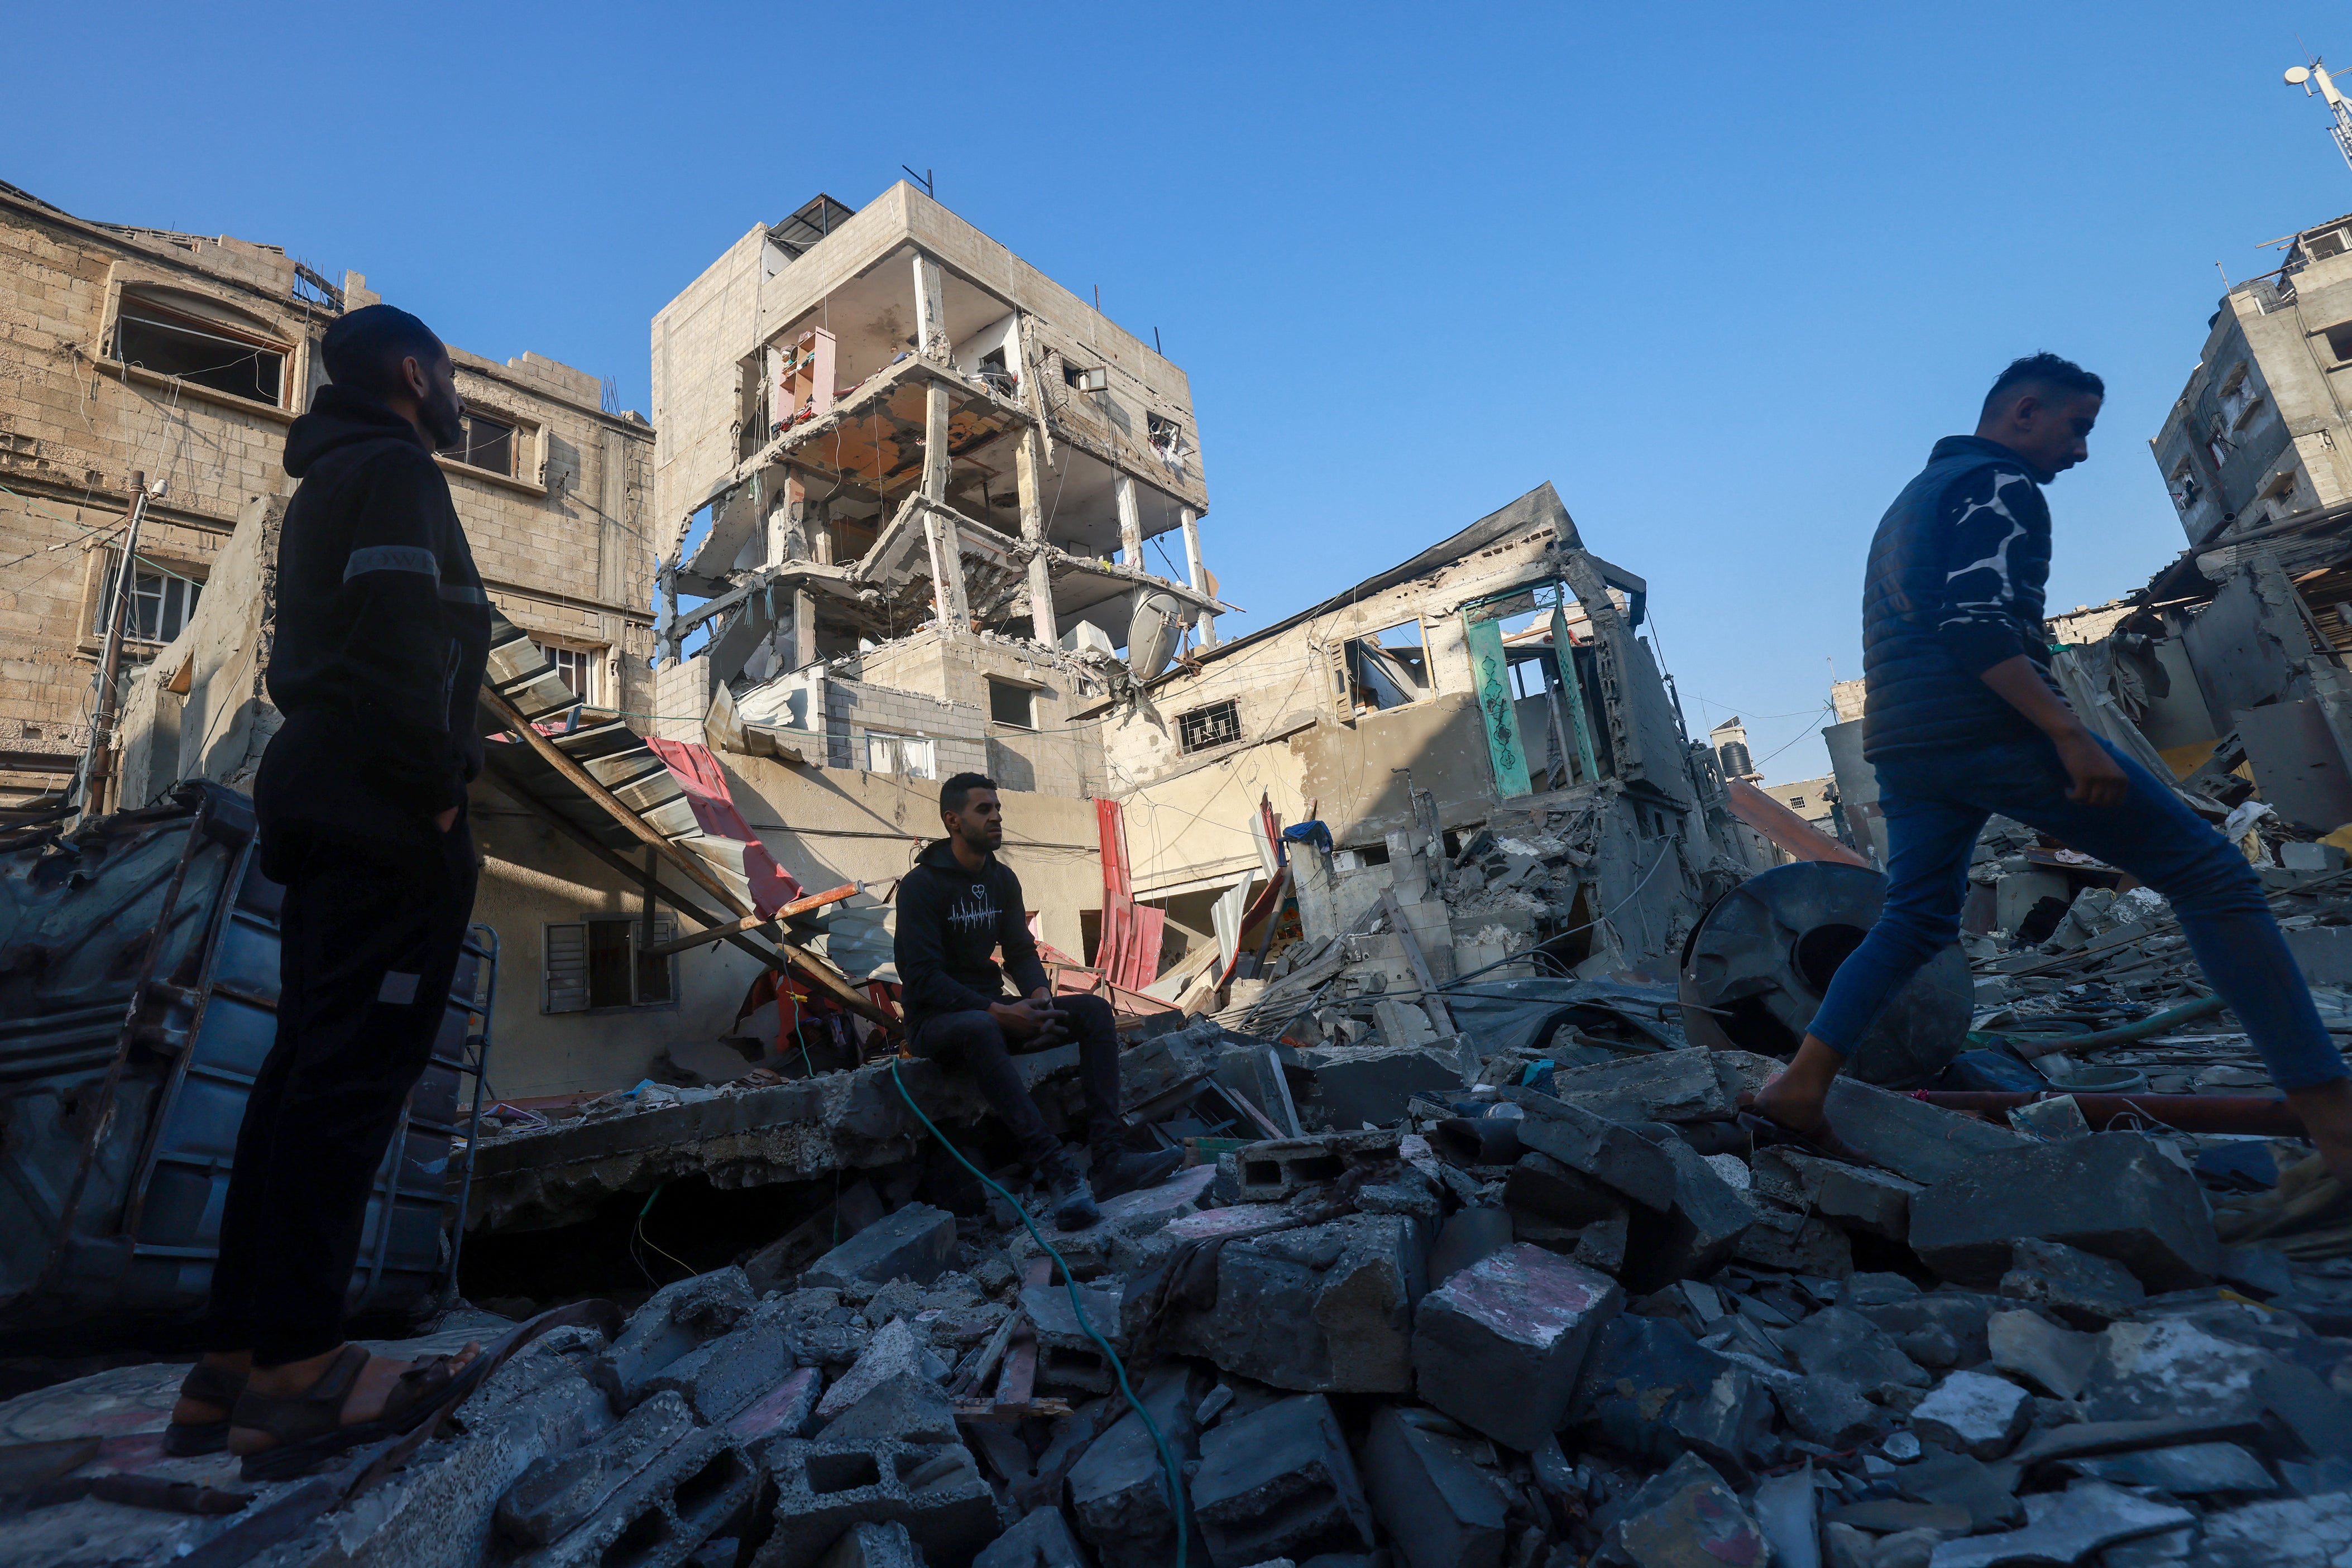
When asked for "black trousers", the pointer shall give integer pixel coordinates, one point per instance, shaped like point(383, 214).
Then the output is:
point(370, 949)
point(975, 1042)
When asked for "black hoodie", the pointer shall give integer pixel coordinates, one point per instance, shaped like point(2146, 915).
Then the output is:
point(950, 920)
point(383, 631)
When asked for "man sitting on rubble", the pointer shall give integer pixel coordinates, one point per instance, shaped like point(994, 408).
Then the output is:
point(958, 905)
point(1963, 720)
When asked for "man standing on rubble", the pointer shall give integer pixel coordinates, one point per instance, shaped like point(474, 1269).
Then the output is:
point(959, 905)
point(382, 631)
point(1963, 720)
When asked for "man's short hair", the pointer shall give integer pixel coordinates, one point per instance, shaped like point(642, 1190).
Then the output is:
point(958, 789)
point(2044, 370)
point(364, 349)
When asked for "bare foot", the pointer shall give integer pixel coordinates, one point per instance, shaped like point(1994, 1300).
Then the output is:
point(2326, 1112)
point(364, 1403)
point(1798, 1096)
point(189, 1412)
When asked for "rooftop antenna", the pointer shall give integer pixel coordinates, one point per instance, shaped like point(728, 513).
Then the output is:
point(2338, 108)
point(932, 191)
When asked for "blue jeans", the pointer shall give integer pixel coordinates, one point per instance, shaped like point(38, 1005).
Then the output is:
point(1935, 806)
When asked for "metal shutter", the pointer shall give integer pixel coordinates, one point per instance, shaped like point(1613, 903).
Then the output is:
point(564, 982)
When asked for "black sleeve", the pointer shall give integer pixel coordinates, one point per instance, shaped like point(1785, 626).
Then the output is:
point(1984, 514)
point(399, 658)
point(1019, 949)
point(919, 948)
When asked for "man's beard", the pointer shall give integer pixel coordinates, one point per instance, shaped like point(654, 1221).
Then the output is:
point(443, 418)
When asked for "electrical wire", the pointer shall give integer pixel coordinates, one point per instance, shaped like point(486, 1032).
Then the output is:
point(1070, 1283)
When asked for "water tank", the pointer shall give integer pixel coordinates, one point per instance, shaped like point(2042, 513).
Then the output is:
point(1732, 755)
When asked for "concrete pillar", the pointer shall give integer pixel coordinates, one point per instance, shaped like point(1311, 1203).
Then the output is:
point(935, 442)
point(1032, 529)
point(930, 311)
point(951, 608)
point(1194, 572)
point(1130, 525)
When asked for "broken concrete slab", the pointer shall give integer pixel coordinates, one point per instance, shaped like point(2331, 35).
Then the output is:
point(1440, 1507)
point(914, 1243)
point(1854, 1197)
point(2124, 1437)
point(1119, 1489)
point(2084, 1289)
point(1650, 1390)
point(786, 1411)
point(679, 1318)
point(2189, 1469)
point(2299, 1532)
point(1837, 1342)
point(720, 1378)
point(1795, 1243)
point(2088, 1515)
point(2028, 1346)
point(660, 1514)
point(1279, 1482)
point(1788, 1515)
point(1110, 1245)
point(1540, 1185)
point(1610, 1152)
point(1686, 1517)
point(1041, 1539)
point(2171, 1368)
point(1373, 1084)
point(1499, 1345)
point(561, 1491)
point(1315, 1309)
point(1973, 1414)
point(1068, 1359)
point(1695, 1234)
point(2112, 1194)
point(1913, 1139)
point(904, 1408)
point(1830, 1411)
point(1676, 1086)
point(895, 1348)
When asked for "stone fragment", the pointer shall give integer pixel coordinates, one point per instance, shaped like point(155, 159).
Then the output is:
point(1695, 1235)
point(2300, 1533)
point(1134, 1256)
point(1907, 1548)
point(821, 1489)
point(1042, 1540)
point(2112, 1194)
point(1118, 1489)
point(2088, 1515)
point(1973, 1414)
point(2087, 1290)
point(914, 1243)
point(2192, 1470)
point(1610, 1152)
point(1887, 1516)
point(1830, 1411)
point(1843, 1546)
point(1918, 1141)
point(1440, 1507)
point(1855, 1198)
point(1797, 1243)
point(1686, 1517)
point(1662, 1086)
point(1278, 1170)
point(2257, 1271)
point(1108, 1246)
point(677, 1319)
point(1279, 1482)
point(718, 1379)
point(1373, 1084)
point(688, 1492)
point(559, 1492)
point(1600, 1246)
point(1499, 1345)
point(2028, 1346)
point(1315, 1309)
point(895, 1348)
point(904, 1408)
point(1068, 1359)
point(1950, 1320)
point(1986, 1492)
point(2172, 1368)
point(1837, 1342)
point(874, 1546)
point(1788, 1512)
point(785, 1411)
point(1650, 1390)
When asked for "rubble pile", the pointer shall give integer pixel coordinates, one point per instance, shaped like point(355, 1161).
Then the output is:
point(1540, 1319)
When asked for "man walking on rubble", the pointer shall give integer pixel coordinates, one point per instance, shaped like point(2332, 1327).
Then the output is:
point(1963, 720)
point(383, 631)
point(958, 905)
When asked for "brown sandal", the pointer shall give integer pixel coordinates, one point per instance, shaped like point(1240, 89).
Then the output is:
point(309, 1427)
point(207, 1385)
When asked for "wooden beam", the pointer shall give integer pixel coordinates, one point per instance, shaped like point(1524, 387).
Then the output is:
point(752, 922)
point(1432, 1003)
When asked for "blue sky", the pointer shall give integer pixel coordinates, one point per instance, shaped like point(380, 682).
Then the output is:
point(1721, 274)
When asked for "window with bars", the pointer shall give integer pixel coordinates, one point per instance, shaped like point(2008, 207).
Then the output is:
point(1219, 724)
point(593, 964)
point(161, 604)
point(484, 442)
point(201, 352)
point(577, 667)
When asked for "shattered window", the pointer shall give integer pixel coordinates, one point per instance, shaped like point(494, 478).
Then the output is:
point(202, 353)
point(1388, 669)
point(1219, 724)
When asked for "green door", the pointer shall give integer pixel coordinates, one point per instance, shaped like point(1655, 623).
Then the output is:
point(1490, 676)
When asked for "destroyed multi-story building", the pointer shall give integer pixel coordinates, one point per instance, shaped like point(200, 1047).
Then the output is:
point(182, 359)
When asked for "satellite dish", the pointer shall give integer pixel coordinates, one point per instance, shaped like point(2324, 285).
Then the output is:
point(2296, 76)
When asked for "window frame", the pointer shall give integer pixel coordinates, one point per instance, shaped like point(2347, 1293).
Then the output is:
point(142, 289)
point(1000, 687)
point(590, 659)
point(103, 563)
point(515, 429)
point(1211, 740)
point(665, 930)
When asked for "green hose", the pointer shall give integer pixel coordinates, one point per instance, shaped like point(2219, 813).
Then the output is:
point(1070, 1283)
point(2031, 1046)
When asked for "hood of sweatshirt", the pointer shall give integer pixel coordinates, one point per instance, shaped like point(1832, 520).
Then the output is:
point(941, 854)
point(342, 416)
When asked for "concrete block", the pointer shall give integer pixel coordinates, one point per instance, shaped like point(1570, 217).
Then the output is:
point(1838, 1343)
point(2087, 1290)
point(1666, 1086)
point(1135, 1255)
point(1830, 1411)
point(1650, 1390)
point(1373, 1084)
point(659, 1515)
point(2030, 1347)
point(559, 1492)
point(1107, 1246)
point(718, 1379)
point(1041, 1539)
point(1684, 1517)
point(1318, 1309)
point(1910, 1138)
point(2112, 1194)
point(1695, 1235)
point(1069, 1360)
point(914, 1243)
point(874, 1546)
point(903, 1407)
point(1973, 1414)
point(785, 1411)
point(1118, 1488)
point(1853, 1196)
point(2312, 857)
point(1440, 1507)
point(1797, 1243)
point(895, 1348)
point(1499, 1345)
point(1279, 1482)
point(1610, 1152)
point(1540, 1185)
point(818, 1491)
point(1279, 1170)
point(677, 1318)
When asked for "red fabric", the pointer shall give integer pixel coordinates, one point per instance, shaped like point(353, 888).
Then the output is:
point(699, 773)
